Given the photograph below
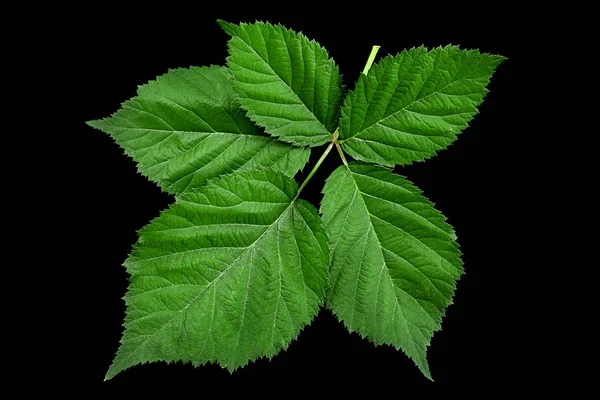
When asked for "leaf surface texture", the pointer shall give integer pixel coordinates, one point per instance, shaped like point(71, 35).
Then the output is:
point(230, 273)
point(287, 83)
point(187, 127)
point(414, 104)
point(394, 259)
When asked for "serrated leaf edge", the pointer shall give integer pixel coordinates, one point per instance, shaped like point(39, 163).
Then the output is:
point(426, 372)
point(345, 143)
point(112, 372)
point(230, 28)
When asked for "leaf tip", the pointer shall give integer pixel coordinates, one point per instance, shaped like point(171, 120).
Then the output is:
point(228, 27)
point(423, 367)
point(494, 60)
point(94, 123)
point(110, 373)
point(116, 368)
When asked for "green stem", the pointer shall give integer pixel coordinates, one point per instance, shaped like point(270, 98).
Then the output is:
point(370, 60)
point(368, 66)
point(336, 134)
point(318, 164)
point(339, 149)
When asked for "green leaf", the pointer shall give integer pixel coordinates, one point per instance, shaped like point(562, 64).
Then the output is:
point(287, 83)
point(412, 105)
point(187, 127)
point(230, 273)
point(394, 259)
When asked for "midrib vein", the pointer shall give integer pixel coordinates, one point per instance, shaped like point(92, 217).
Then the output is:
point(219, 277)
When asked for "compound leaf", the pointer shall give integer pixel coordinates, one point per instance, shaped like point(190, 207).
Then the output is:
point(287, 83)
point(412, 105)
point(187, 127)
point(394, 259)
point(231, 272)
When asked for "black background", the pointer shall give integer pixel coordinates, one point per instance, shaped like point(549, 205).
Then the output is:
point(113, 51)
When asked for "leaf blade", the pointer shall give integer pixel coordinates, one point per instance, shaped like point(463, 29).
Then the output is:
point(394, 259)
point(230, 273)
point(414, 104)
point(186, 127)
point(288, 84)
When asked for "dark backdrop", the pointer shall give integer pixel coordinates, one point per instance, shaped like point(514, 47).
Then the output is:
point(113, 51)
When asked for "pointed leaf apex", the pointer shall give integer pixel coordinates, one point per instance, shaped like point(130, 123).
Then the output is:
point(111, 373)
point(228, 27)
